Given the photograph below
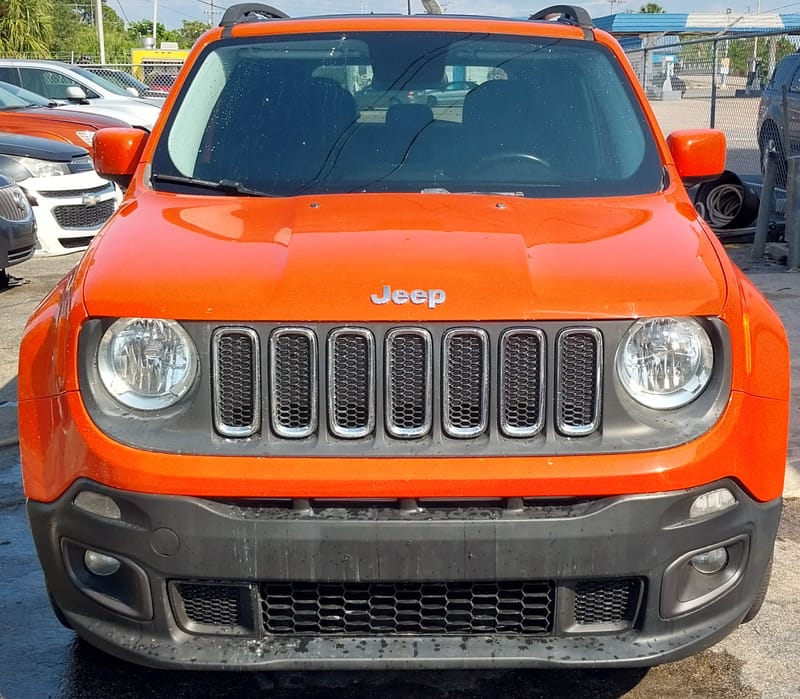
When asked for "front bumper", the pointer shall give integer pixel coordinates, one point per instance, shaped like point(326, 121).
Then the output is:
point(419, 584)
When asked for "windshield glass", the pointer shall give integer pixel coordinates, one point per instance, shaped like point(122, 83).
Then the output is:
point(13, 97)
point(371, 112)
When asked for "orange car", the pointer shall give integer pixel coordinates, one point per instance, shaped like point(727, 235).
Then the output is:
point(459, 387)
point(27, 113)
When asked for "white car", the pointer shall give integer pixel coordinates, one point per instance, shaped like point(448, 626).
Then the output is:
point(80, 89)
point(70, 201)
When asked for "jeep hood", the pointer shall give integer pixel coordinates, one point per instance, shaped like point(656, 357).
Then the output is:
point(324, 258)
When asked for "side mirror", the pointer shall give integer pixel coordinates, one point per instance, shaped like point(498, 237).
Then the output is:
point(699, 154)
point(74, 92)
point(132, 91)
point(117, 153)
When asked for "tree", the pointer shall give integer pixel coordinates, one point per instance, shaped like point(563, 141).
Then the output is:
point(190, 31)
point(651, 8)
point(144, 27)
point(26, 27)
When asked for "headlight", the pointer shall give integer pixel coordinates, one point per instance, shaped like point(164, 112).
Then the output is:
point(147, 364)
point(43, 168)
point(665, 363)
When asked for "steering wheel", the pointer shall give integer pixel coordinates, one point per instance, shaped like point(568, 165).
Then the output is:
point(510, 156)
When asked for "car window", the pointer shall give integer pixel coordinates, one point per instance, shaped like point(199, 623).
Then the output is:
point(783, 72)
point(51, 84)
point(287, 116)
point(794, 86)
point(119, 78)
point(106, 84)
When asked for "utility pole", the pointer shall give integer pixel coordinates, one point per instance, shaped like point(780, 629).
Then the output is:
point(100, 33)
point(155, 21)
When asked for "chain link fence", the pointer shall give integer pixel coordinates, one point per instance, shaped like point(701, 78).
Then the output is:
point(696, 82)
point(152, 79)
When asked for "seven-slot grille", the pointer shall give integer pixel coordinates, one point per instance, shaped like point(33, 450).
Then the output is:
point(404, 372)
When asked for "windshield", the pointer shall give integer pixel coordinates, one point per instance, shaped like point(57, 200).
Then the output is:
point(371, 112)
point(13, 97)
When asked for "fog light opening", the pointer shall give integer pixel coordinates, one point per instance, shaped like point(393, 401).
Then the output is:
point(100, 563)
point(710, 562)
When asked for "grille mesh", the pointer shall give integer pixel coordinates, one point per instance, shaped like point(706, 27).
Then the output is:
point(236, 382)
point(465, 382)
point(408, 383)
point(521, 382)
point(579, 354)
point(606, 601)
point(407, 608)
point(83, 216)
point(294, 390)
point(351, 368)
point(509, 607)
point(213, 605)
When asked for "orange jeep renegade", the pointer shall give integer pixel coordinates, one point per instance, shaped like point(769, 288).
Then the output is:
point(382, 384)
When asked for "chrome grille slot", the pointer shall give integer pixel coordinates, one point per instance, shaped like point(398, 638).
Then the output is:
point(293, 379)
point(351, 382)
point(522, 382)
point(465, 383)
point(409, 383)
point(236, 381)
point(579, 357)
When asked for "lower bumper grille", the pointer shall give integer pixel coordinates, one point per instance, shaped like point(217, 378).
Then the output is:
point(463, 608)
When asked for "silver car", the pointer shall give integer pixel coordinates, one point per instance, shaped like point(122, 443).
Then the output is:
point(80, 89)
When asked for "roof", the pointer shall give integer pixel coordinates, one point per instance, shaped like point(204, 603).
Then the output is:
point(695, 22)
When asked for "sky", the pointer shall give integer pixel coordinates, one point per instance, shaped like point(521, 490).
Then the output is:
point(171, 13)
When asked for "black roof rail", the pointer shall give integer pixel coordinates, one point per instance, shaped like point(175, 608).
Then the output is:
point(249, 12)
point(567, 14)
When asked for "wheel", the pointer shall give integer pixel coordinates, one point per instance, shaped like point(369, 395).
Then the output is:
point(771, 139)
point(432, 102)
point(752, 613)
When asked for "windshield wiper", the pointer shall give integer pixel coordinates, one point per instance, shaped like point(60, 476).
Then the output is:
point(224, 186)
point(442, 190)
